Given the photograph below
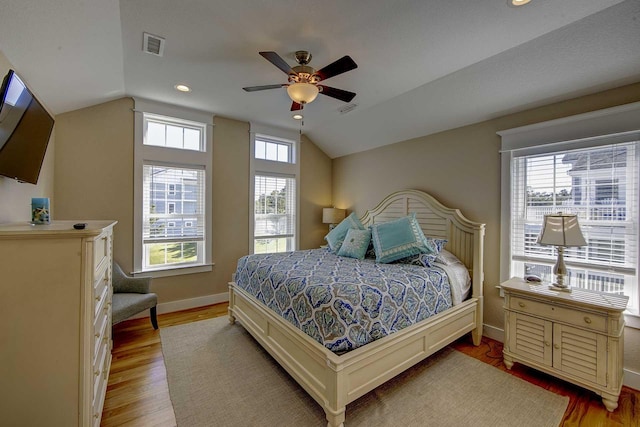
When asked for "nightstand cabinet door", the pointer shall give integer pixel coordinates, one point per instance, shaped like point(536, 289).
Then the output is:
point(531, 338)
point(580, 353)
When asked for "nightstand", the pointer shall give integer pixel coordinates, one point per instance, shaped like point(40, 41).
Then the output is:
point(577, 336)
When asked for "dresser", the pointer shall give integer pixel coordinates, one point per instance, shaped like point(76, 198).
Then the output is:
point(576, 336)
point(55, 322)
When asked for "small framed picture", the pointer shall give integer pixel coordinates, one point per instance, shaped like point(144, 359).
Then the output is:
point(40, 210)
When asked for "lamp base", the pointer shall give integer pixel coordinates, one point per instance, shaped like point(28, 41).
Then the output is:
point(555, 287)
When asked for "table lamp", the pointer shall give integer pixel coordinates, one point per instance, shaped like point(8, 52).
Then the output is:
point(332, 216)
point(562, 231)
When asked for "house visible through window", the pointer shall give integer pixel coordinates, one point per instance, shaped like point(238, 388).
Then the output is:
point(175, 167)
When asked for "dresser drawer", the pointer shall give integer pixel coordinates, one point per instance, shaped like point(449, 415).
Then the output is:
point(101, 251)
point(100, 378)
point(100, 369)
point(100, 332)
point(583, 319)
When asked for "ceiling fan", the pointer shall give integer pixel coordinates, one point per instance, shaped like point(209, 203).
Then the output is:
point(303, 84)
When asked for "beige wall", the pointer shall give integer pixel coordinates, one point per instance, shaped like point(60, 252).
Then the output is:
point(315, 194)
point(94, 179)
point(461, 168)
point(15, 197)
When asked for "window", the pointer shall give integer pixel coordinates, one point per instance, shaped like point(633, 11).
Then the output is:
point(595, 178)
point(173, 175)
point(606, 206)
point(274, 214)
point(269, 149)
point(274, 194)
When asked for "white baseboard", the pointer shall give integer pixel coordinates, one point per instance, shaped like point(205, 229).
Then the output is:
point(493, 332)
point(185, 304)
point(631, 378)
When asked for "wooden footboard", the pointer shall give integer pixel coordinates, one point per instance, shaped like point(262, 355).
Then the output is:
point(332, 380)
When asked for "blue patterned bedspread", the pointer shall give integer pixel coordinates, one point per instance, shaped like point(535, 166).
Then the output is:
point(343, 303)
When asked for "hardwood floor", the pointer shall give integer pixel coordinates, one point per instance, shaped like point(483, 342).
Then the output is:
point(137, 394)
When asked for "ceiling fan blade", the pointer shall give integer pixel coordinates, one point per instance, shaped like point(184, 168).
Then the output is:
point(276, 60)
point(265, 87)
point(295, 106)
point(340, 66)
point(340, 94)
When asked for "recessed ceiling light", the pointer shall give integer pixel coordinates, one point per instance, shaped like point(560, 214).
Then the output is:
point(183, 88)
point(518, 2)
point(298, 116)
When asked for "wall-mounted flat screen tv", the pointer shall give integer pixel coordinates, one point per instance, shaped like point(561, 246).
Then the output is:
point(25, 128)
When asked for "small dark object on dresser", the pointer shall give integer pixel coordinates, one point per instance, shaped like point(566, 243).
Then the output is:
point(532, 278)
point(79, 226)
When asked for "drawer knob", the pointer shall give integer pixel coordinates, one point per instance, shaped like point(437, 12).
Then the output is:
point(556, 346)
point(98, 335)
point(98, 298)
point(587, 320)
point(521, 304)
point(96, 373)
point(96, 416)
point(547, 343)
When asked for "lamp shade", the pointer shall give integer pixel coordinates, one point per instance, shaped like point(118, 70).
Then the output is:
point(561, 230)
point(302, 93)
point(332, 215)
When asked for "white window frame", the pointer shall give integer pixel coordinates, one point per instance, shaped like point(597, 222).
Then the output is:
point(275, 168)
point(173, 157)
point(593, 129)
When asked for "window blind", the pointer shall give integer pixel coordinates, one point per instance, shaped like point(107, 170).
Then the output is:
point(274, 212)
point(600, 185)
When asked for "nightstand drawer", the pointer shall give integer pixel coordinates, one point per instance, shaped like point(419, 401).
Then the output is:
point(573, 317)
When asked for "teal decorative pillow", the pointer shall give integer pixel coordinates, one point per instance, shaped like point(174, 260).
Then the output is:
point(355, 243)
point(337, 235)
point(398, 239)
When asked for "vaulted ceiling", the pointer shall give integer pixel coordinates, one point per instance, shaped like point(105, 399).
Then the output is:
point(424, 66)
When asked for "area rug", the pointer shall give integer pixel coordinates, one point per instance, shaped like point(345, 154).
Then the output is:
point(220, 376)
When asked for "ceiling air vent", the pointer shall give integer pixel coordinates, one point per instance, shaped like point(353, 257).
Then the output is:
point(349, 107)
point(153, 44)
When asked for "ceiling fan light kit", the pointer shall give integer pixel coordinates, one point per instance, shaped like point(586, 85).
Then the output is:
point(302, 93)
point(303, 85)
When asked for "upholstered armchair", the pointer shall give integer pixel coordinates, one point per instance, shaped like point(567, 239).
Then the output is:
point(131, 295)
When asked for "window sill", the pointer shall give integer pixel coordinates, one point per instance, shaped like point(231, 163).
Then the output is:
point(175, 271)
point(631, 320)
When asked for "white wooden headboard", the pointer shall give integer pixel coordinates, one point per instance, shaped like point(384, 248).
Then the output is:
point(465, 237)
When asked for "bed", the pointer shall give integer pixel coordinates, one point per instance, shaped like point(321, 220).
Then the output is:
point(335, 379)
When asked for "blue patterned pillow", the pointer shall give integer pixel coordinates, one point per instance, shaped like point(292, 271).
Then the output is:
point(398, 239)
point(355, 243)
point(421, 260)
point(434, 246)
point(337, 235)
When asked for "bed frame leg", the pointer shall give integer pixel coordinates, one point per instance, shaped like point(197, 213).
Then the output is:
point(232, 318)
point(335, 419)
point(476, 335)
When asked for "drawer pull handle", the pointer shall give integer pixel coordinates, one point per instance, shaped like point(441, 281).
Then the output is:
point(556, 346)
point(521, 304)
point(547, 343)
point(587, 320)
point(98, 298)
point(96, 373)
